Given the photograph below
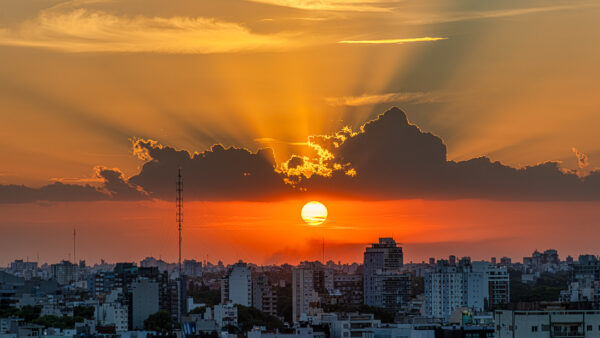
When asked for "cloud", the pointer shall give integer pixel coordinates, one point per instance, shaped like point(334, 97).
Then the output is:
point(429, 19)
point(56, 192)
point(365, 99)
point(391, 41)
point(387, 158)
point(82, 30)
point(117, 186)
point(332, 5)
point(393, 159)
point(582, 159)
point(114, 186)
point(216, 174)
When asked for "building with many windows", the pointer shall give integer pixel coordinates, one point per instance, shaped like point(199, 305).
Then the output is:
point(479, 286)
point(264, 296)
point(64, 272)
point(310, 280)
point(384, 285)
point(547, 324)
point(236, 287)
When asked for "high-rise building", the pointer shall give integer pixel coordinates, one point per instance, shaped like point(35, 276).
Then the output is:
point(144, 301)
point(264, 297)
point(382, 264)
point(192, 268)
point(101, 283)
point(478, 286)
point(64, 272)
point(584, 282)
point(497, 281)
point(310, 280)
point(350, 287)
point(236, 287)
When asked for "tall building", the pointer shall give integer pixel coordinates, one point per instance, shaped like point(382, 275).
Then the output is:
point(382, 264)
point(264, 297)
point(64, 272)
point(351, 288)
point(236, 287)
point(144, 301)
point(101, 283)
point(192, 268)
point(478, 286)
point(310, 280)
point(498, 283)
point(584, 281)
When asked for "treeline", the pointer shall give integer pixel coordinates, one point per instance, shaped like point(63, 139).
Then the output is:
point(32, 314)
point(546, 288)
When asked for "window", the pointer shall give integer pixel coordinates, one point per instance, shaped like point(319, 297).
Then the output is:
point(534, 328)
point(589, 328)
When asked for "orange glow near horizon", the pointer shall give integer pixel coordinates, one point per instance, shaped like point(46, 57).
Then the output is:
point(272, 232)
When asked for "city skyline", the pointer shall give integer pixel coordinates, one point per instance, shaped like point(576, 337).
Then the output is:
point(455, 128)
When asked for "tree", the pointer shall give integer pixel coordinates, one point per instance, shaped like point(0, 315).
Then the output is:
point(249, 317)
point(30, 313)
point(86, 312)
point(160, 322)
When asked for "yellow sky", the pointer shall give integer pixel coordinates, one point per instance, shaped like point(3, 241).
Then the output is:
point(515, 80)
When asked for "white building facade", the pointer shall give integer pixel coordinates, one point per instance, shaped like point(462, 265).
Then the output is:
point(236, 287)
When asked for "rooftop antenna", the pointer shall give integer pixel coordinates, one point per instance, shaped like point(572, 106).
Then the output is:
point(323, 250)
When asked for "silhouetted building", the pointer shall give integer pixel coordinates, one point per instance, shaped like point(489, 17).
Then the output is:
point(64, 272)
point(382, 261)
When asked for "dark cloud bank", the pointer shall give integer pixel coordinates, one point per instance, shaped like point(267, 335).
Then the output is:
point(388, 158)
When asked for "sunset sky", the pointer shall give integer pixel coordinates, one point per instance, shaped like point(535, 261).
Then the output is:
point(268, 104)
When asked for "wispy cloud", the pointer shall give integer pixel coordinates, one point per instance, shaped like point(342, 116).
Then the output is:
point(392, 41)
point(332, 5)
point(426, 18)
point(82, 30)
point(364, 100)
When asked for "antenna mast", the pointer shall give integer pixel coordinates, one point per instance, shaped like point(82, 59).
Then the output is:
point(179, 212)
point(74, 241)
point(323, 250)
point(179, 224)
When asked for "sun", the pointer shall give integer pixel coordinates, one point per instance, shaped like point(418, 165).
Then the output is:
point(314, 213)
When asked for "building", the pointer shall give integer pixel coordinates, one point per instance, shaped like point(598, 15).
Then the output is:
point(547, 324)
point(225, 315)
point(299, 332)
point(192, 268)
point(584, 281)
point(144, 301)
point(264, 296)
point(478, 286)
point(101, 283)
point(382, 264)
point(64, 272)
point(236, 287)
point(310, 280)
point(353, 325)
point(350, 287)
point(497, 281)
point(112, 314)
